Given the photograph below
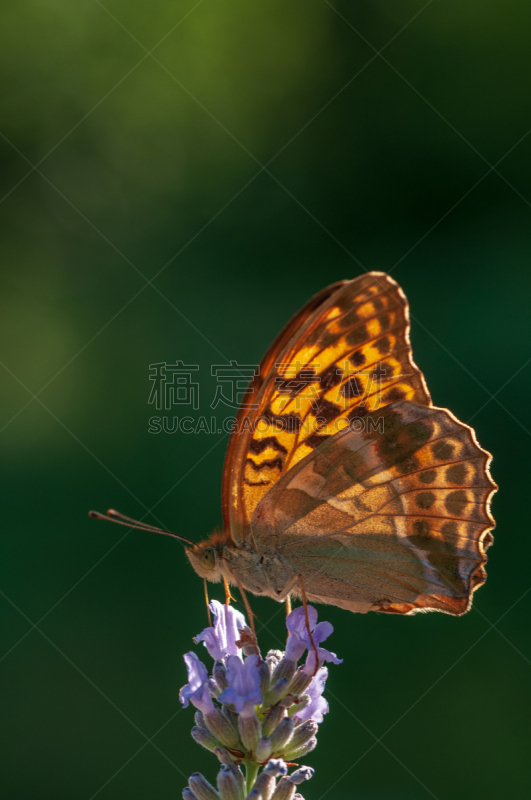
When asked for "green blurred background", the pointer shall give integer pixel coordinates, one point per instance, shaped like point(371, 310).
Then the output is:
point(262, 151)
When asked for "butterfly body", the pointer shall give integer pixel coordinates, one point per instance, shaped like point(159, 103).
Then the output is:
point(263, 572)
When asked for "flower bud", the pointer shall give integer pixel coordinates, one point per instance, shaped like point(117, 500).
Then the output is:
point(265, 785)
point(282, 734)
point(304, 701)
point(300, 683)
point(188, 794)
point(220, 675)
point(284, 669)
point(200, 719)
point(303, 733)
point(298, 796)
point(276, 692)
point(230, 715)
point(292, 755)
point(213, 688)
point(284, 791)
point(263, 750)
point(254, 795)
point(272, 718)
point(205, 738)
point(231, 784)
point(265, 677)
point(222, 728)
point(250, 730)
point(276, 767)
point(201, 788)
point(302, 774)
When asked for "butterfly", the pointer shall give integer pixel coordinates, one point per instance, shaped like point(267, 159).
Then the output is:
point(342, 483)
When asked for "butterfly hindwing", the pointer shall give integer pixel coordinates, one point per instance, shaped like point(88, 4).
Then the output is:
point(393, 517)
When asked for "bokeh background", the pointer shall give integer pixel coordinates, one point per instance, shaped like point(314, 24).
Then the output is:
point(177, 180)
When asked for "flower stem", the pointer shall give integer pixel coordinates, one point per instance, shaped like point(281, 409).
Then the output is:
point(251, 771)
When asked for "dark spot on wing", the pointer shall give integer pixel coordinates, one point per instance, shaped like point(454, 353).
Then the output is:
point(352, 388)
point(357, 413)
point(421, 536)
point(325, 409)
point(268, 463)
point(349, 319)
point(442, 450)
point(395, 394)
point(455, 503)
point(291, 423)
point(407, 464)
point(427, 477)
point(358, 335)
point(327, 339)
point(357, 358)
point(258, 446)
point(449, 529)
point(330, 377)
point(420, 432)
point(383, 345)
point(314, 440)
point(456, 473)
point(425, 500)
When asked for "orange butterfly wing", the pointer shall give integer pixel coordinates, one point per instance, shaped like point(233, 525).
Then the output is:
point(345, 354)
point(266, 365)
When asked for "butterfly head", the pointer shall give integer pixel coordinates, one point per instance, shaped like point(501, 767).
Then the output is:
point(206, 557)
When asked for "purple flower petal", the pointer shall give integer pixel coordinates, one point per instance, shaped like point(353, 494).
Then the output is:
point(299, 639)
point(196, 690)
point(243, 691)
point(322, 631)
point(296, 621)
point(318, 705)
point(220, 640)
point(324, 655)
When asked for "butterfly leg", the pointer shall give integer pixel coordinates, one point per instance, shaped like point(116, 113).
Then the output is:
point(305, 605)
point(207, 605)
point(228, 596)
point(288, 605)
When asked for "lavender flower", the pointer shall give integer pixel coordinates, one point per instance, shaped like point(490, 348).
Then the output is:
point(220, 641)
point(244, 685)
point(196, 689)
point(253, 712)
point(299, 639)
point(317, 705)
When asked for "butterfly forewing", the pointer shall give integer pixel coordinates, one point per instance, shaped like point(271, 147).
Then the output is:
point(344, 356)
point(245, 412)
point(392, 518)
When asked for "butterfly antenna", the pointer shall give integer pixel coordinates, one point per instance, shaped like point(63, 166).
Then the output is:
point(120, 519)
